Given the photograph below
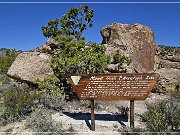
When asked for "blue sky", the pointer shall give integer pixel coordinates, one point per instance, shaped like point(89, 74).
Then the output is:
point(20, 24)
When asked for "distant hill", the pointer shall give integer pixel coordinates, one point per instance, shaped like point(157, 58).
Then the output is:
point(4, 51)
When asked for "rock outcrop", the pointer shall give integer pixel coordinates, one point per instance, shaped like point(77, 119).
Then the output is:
point(30, 66)
point(169, 79)
point(169, 57)
point(49, 47)
point(169, 64)
point(169, 68)
point(134, 40)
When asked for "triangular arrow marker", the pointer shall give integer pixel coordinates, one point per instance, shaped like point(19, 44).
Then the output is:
point(75, 79)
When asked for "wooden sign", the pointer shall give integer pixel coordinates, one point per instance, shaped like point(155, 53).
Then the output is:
point(113, 86)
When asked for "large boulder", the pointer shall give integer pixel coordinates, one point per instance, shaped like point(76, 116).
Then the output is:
point(134, 40)
point(31, 66)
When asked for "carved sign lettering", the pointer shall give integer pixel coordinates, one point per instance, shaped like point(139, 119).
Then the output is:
point(113, 86)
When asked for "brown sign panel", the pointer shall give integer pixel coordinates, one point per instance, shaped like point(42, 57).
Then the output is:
point(113, 86)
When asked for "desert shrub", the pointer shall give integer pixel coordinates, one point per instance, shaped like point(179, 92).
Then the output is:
point(53, 101)
point(165, 115)
point(2, 114)
point(4, 79)
point(155, 117)
point(40, 121)
point(173, 111)
point(5, 83)
point(17, 102)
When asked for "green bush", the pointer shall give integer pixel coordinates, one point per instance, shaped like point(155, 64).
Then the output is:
point(50, 84)
point(164, 116)
point(78, 57)
point(119, 58)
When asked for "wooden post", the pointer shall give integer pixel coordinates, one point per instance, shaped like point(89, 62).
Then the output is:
point(132, 113)
point(92, 116)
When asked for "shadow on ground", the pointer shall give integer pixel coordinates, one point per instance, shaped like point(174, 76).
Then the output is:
point(103, 117)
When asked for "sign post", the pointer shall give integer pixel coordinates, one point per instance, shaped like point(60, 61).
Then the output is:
point(113, 87)
point(132, 113)
point(92, 116)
